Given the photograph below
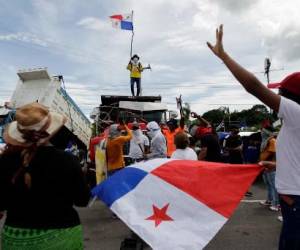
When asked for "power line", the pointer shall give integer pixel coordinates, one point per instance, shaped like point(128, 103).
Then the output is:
point(216, 104)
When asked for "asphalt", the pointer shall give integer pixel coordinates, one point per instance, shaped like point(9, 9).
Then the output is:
point(252, 227)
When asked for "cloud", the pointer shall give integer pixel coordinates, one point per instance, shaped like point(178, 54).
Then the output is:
point(24, 37)
point(185, 42)
point(93, 23)
point(206, 16)
point(284, 43)
point(278, 24)
point(8, 81)
point(76, 40)
point(236, 6)
point(164, 68)
point(235, 98)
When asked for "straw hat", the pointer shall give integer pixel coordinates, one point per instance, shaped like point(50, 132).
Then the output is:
point(36, 119)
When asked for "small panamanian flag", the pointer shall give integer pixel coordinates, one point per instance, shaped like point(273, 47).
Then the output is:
point(122, 21)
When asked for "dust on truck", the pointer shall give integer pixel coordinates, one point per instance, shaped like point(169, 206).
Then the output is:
point(35, 85)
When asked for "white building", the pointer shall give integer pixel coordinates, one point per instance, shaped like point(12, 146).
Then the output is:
point(37, 85)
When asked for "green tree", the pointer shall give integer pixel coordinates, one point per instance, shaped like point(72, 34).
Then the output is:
point(186, 112)
point(215, 116)
point(250, 117)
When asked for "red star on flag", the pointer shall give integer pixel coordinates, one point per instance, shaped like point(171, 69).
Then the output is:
point(159, 215)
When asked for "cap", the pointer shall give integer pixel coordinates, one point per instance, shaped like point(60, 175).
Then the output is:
point(291, 83)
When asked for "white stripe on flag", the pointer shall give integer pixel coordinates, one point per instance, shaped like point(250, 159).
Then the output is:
point(149, 166)
point(192, 226)
point(116, 23)
point(127, 17)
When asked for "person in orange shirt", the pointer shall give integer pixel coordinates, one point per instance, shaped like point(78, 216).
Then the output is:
point(170, 132)
point(268, 153)
point(114, 149)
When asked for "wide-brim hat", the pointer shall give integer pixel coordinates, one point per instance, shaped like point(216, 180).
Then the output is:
point(33, 116)
point(290, 83)
point(135, 56)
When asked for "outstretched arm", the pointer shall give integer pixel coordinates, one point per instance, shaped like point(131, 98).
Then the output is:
point(204, 121)
point(140, 67)
point(268, 165)
point(129, 66)
point(247, 79)
point(181, 123)
point(200, 118)
point(125, 138)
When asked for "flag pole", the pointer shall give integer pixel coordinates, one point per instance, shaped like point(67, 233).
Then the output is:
point(131, 36)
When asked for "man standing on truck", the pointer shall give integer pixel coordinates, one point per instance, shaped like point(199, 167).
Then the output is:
point(135, 68)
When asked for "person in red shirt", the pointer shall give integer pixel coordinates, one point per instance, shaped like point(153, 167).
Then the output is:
point(204, 125)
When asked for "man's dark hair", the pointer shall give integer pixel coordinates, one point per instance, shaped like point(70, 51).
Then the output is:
point(181, 140)
point(289, 95)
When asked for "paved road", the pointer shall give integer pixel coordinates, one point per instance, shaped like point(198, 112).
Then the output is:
point(252, 227)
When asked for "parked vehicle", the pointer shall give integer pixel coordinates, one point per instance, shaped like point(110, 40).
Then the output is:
point(35, 85)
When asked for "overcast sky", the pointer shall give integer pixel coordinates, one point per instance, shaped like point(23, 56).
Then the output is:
point(75, 38)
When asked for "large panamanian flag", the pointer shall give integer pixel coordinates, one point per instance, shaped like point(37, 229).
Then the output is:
point(176, 204)
point(122, 21)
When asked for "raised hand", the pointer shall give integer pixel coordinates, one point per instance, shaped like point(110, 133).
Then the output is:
point(194, 115)
point(268, 165)
point(218, 49)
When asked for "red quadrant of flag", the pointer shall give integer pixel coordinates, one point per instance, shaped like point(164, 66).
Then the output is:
point(119, 17)
point(219, 186)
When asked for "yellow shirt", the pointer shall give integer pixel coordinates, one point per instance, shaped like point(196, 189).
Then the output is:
point(135, 70)
point(115, 151)
point(269, 153)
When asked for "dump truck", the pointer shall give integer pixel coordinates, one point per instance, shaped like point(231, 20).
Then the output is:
point(36, 85)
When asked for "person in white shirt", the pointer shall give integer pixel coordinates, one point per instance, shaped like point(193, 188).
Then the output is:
point(287, 104)
point(139, 144)
point(158, 145)
point(183, 151)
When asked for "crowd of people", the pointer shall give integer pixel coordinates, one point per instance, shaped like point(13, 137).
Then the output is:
point(40, 184)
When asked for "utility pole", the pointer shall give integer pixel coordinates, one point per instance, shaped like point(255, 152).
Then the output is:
point(267, 69)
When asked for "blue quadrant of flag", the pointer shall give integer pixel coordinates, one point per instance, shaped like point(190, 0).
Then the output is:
point(118, 185)
point(126, 25)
